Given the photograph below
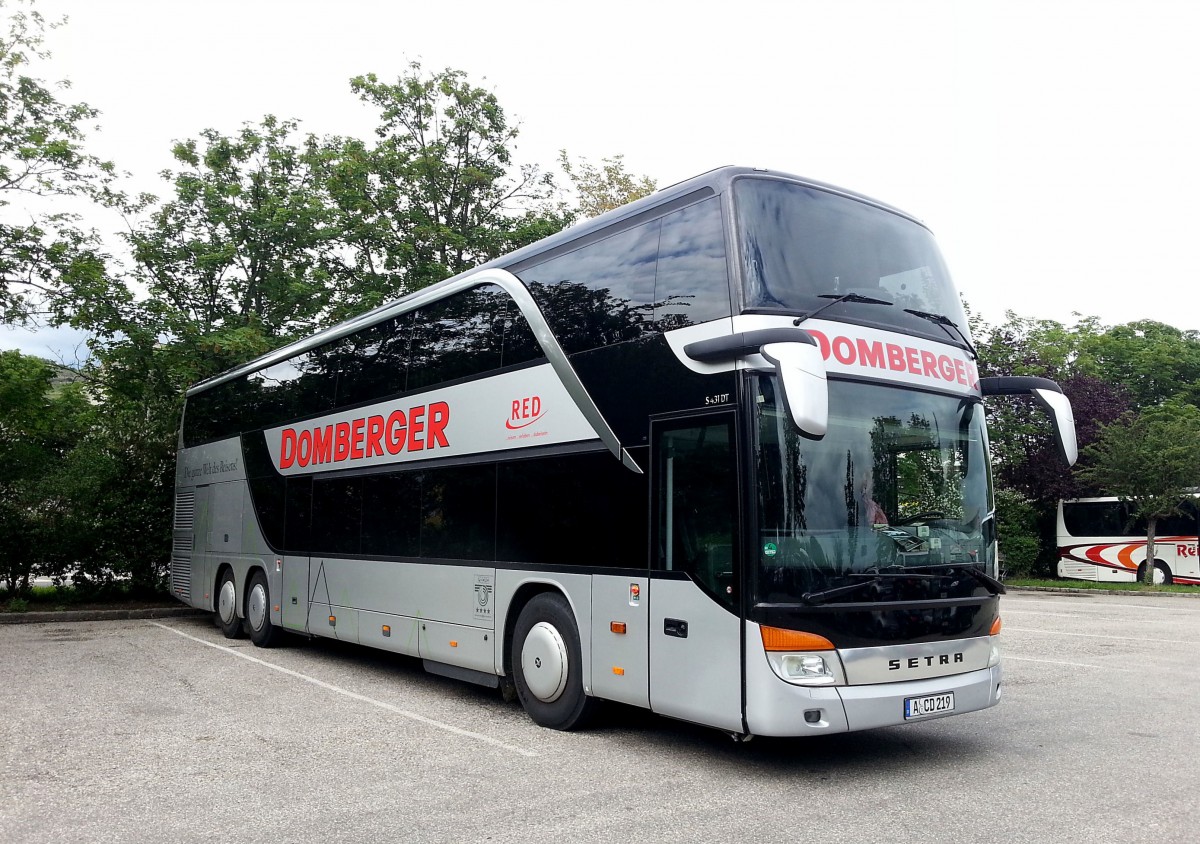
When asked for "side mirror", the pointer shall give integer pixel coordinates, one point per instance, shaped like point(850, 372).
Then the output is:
point(801, 372)
point(1050, 396)
point(797, 360)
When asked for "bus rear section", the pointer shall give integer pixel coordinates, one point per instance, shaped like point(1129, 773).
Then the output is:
point(1102, 539)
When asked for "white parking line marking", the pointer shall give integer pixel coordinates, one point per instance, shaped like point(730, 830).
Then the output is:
point(1098, 636)
point(458, 731)
point(1006, 657)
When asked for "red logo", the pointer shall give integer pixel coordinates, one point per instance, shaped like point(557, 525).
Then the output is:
point(525, 412)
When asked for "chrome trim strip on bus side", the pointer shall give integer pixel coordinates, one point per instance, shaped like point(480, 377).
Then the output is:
point(524, 301)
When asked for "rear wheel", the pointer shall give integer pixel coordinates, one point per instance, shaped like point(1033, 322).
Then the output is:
point(1162, 574)
point(226, 614)
point(547, 666)
point(258, 613)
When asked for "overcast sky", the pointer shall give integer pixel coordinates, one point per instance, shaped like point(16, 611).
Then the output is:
point(1051, 146)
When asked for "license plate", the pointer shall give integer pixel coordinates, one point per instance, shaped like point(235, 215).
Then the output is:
point(923, 707)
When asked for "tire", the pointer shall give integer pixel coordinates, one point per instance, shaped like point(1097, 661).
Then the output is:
point(547, 666)
point(226, 615)
point(262, 630)
point(1162, 574)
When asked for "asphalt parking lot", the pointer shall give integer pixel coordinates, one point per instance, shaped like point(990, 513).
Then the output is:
point(162, 730)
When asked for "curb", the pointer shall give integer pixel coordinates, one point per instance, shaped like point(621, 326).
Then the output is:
point(99, 615)
point(1067, 590)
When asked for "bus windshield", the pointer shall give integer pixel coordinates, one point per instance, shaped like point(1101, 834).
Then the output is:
point(802, 246)
point(902, 486)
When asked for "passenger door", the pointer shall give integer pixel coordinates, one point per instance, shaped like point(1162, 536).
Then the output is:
point(695, 633)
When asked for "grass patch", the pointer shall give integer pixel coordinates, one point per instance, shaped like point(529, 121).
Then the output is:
point(1102, 587)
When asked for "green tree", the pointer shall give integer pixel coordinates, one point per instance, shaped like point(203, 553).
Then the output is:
point(48, 469)
point(1151, 460)
point(605, 187)
point(241, 258)
point(44, 250)
point(1154, 362)
point(437, 194)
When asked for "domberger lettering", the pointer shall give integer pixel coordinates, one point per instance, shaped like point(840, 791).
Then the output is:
point(868, 354)
point(423, 427)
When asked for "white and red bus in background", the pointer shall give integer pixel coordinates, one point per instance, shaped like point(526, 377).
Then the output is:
point(1101, 539)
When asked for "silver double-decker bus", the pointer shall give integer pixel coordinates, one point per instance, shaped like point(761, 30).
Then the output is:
point(719, 453)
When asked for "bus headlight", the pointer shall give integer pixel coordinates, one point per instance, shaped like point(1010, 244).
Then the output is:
point(803, 659)
point(811, 669)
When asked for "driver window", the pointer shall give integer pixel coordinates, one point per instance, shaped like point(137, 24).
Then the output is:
point(697, 506)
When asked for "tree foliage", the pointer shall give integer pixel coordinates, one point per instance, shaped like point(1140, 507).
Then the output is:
point(44, 249)
point(437, 193)
point(1106, 372)
point(604, 187)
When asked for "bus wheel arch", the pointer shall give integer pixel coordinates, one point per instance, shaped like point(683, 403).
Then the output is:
point(227, 603)
point(543, 655)
point(1162, 573)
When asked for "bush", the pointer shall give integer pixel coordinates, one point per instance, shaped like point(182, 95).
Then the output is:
point(1018, 532)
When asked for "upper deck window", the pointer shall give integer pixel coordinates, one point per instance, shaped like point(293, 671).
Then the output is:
point(799, 244)
point(664, 274)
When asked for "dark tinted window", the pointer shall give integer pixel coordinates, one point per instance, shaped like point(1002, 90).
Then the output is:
point(1115, 518)
point(457, 337)
point(602, 293)
point(575, 510)
point(664, 274)
point(337, 515)
point(697, 506)
point(1180, 524)
point(520, 346)
point(374, 362)
point(298, 515)
point(468, 334)
point(692, 282)
point(391, 520)
point(458, 513)
point(300, 386)
point(297, 387)
point(799, 244)
point(268, 496)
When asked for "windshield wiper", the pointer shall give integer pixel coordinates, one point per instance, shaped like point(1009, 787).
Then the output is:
point(946, 323)
point(837, 298)
point(873, 577)
point(993, 585)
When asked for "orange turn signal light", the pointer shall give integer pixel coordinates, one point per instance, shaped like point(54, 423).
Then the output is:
point(617, 627)
point(778, 639)
point(620, 672)
point(996, 625)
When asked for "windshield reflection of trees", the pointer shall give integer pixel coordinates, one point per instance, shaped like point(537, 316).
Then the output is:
point(911, 496)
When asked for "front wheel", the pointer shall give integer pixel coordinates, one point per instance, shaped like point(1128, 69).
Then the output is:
point(547, 666)
point(258, 613)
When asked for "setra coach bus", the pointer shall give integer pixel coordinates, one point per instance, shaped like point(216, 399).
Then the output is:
point(719, 453)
